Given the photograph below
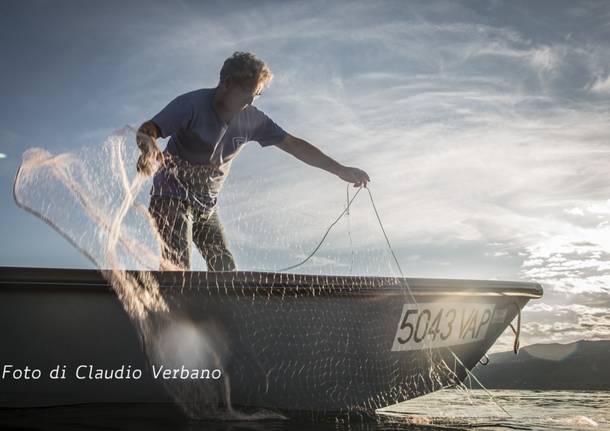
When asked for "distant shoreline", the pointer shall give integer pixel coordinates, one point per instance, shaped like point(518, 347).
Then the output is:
point(576, 366)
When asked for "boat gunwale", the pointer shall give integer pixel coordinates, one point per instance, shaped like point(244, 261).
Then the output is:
point(270, 283)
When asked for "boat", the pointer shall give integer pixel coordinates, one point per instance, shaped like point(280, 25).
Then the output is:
point(285, 342)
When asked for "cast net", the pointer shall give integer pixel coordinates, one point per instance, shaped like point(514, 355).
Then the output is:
point(282, 341)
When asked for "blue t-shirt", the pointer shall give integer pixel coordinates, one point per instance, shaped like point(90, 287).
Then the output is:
point(202, 141)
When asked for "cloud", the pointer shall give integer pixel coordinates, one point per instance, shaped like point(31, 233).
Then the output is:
point(465, 129)
point(561, 325)
point(601, 85)
point(484, 129)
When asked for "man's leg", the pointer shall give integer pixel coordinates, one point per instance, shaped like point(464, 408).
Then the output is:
point(209, 238)
point(172, 219)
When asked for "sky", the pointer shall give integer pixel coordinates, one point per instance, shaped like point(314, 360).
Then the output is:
point(484, 126)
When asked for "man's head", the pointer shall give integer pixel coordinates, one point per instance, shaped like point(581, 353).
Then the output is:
point(243, 77)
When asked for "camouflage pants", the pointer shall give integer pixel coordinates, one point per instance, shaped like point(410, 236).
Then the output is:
point(178, 223)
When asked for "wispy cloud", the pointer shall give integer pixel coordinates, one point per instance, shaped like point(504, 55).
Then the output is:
point(484, 129)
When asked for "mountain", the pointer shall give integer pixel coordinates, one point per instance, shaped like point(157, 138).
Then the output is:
point(580, 365)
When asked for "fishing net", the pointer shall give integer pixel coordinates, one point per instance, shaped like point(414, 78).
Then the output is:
point(299, 342)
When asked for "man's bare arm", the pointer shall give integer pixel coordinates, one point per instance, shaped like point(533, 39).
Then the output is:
point(311, 155)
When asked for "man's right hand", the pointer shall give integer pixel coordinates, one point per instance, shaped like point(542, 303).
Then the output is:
point(151, 158)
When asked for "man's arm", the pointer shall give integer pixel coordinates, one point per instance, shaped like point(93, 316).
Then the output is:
point(311, 155)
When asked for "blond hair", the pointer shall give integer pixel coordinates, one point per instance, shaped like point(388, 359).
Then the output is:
point(246, 69)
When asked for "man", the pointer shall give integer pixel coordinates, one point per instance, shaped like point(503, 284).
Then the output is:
point(207, 129)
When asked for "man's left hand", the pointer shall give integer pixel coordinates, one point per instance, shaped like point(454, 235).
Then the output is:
point(354, 175)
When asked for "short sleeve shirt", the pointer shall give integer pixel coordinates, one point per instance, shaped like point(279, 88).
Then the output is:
point(199, 137)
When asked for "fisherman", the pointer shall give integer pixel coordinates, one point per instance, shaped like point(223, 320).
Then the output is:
point(207, 129)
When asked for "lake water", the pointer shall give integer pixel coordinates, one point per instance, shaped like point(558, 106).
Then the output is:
point(448, 409)
point(528, 410)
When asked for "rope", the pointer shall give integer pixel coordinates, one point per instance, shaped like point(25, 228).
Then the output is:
point(387, 240)
point(517, 331)
point(479, 382)
point(346, 211)
point(349, 231)
point(315, 250)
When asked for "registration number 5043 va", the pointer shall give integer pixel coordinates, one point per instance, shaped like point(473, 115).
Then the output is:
point(441, 324)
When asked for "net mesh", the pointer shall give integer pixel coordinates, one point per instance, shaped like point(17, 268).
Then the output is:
point(298, 352)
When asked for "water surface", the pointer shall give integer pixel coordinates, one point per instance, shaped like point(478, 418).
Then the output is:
point(449, 409)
